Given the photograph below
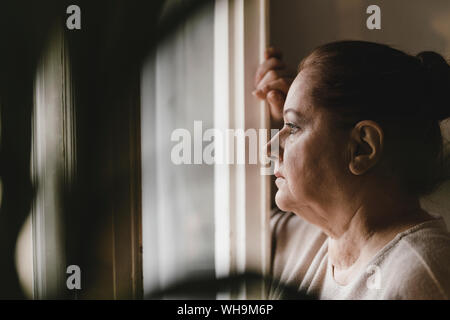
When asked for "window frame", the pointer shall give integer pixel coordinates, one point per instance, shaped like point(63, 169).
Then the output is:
point(242, 194)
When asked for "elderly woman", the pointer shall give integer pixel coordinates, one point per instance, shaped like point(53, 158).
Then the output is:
point(360, 144)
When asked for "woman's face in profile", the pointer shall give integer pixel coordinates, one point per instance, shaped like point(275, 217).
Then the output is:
point(311, 168)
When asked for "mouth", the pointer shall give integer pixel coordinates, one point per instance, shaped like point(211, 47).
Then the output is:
point(280, 181)
point(280, 178)
point(278, 174)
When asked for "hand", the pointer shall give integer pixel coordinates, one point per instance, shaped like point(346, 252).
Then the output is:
point(272, 82)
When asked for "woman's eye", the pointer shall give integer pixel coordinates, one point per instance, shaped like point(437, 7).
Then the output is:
point(292, 128)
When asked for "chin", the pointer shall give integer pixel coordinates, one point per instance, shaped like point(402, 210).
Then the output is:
point(281, 201)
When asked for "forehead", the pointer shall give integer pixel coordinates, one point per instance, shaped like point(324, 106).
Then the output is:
point(298, 97)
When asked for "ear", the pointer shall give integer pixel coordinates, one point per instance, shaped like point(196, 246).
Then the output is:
point(366, 146)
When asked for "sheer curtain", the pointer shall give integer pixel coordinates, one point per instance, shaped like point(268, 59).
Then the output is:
point(177, 200)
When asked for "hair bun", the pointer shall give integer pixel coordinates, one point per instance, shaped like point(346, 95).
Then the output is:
point(437, 78)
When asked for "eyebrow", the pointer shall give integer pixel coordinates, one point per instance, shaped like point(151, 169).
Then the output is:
point(297, 114)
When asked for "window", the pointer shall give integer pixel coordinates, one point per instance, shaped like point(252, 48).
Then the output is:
point(177, 200)
point(99, 159)
point(198, 218)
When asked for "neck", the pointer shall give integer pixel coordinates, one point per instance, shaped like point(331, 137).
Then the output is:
point(375, 222)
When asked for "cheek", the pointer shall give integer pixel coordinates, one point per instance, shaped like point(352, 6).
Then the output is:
point(293, 166)
point(303, 164)
point(287, 194)
point(311, 166)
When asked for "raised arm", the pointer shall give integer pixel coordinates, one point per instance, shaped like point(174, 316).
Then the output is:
point(272, 81)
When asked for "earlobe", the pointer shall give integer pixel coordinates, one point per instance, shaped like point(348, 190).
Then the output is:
point(366, 146)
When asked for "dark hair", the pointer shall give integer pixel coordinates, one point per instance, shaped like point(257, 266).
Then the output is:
point(406, 95)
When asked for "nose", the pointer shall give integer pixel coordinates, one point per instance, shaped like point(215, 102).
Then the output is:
point(273, 148)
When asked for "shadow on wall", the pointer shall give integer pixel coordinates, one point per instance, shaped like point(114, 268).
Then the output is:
point(298, 26)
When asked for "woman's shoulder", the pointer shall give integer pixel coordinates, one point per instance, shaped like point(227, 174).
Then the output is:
point(417, 265)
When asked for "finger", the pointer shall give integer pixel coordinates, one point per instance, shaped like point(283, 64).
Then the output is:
point(273, 52)
point(270, 64)
point(276, 101)
point(272, 75)
point(281, 84)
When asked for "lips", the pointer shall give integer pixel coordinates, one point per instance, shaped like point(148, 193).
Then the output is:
point(280, 179)
point(280, 182)
point(278, 174)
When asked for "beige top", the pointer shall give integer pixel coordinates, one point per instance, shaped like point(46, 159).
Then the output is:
point(414, 265)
